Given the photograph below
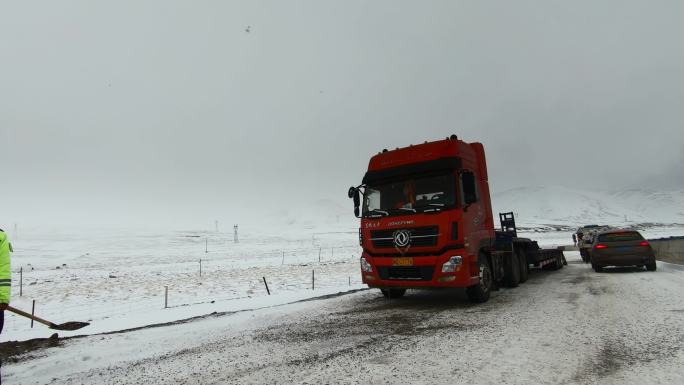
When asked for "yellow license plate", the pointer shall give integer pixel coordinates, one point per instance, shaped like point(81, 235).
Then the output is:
point(403, 261)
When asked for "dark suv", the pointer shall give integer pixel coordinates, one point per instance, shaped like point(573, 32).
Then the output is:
point(621, 248)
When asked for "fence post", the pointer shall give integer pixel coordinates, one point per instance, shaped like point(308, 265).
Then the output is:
point(21, 281)
point(266, 284)
point(206, 244)
point(33, 312)
point(200, 267)
point(283, 258)
point(350, 280)
point(166, 297)
point(319, 254)
point(313, 279)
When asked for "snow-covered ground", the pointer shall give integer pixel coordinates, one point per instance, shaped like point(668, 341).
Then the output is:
point(117, 279)
point(570, 326)
point(125, 278)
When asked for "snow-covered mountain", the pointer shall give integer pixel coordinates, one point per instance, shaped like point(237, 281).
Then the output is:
point(533, 206)
point(568, 206)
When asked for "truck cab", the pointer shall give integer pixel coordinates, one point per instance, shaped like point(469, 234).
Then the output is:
point(425, 216)
point(426, 222)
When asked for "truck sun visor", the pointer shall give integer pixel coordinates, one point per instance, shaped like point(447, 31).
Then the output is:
point(442, 164)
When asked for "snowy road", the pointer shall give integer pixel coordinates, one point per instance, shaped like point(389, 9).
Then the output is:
point(563, 327)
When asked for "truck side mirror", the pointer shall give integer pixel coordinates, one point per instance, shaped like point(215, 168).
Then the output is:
point(356, 196)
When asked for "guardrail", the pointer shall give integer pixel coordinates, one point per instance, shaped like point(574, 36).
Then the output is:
point(669, 249)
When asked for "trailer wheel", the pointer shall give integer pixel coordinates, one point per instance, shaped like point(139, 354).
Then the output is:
point(393, 293)
point(512, 271)
point(480, 293)
point(559, 262)
point(524, 266)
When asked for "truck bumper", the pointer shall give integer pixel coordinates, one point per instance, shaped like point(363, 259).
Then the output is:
point(420, 271)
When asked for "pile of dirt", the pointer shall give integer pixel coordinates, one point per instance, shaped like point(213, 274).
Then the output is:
point(11, 350)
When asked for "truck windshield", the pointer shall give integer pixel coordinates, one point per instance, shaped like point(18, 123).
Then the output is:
point(415, 194)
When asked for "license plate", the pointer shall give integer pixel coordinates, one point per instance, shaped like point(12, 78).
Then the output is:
point(403, 261)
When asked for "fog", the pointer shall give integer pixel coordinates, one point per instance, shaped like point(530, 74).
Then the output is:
point(182, 112)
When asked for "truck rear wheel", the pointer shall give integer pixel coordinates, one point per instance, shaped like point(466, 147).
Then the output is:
point(393, 293)
point(480, 293)
point(651, 266)
point(512, 271)
point(524, 266)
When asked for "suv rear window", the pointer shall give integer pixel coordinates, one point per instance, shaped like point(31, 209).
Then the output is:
point(620, 237)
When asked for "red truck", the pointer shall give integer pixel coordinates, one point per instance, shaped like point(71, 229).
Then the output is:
point(426, 222)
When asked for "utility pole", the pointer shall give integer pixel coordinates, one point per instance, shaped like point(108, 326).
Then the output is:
point(235, 235)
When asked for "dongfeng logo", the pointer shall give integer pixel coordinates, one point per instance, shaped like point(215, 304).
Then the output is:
point(402, 238)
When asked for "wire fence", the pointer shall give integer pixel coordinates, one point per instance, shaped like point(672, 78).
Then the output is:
point(212, 279)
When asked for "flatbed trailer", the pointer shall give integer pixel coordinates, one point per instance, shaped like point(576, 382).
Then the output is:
point(509, 247)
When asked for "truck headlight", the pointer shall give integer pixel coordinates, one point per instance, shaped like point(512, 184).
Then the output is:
point(452, 264)
point(365, 266)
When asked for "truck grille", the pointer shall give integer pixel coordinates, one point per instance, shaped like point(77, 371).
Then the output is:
point(415, 273)
point(420, 237)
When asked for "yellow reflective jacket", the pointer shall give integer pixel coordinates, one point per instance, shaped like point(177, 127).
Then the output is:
point(5, 275)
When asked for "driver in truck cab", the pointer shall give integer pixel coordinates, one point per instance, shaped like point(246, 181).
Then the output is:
point(408, 199)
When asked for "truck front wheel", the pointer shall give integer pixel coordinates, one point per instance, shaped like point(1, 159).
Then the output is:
point(480, 293)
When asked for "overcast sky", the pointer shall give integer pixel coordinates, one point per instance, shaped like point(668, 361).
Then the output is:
point(157, 111)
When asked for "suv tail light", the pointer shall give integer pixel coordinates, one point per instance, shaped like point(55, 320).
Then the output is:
point(645, 244)
point(600, 246)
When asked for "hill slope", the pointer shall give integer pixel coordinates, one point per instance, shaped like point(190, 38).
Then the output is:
point(563, 205)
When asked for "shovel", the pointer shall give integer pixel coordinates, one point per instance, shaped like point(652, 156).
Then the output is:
point(64, 326)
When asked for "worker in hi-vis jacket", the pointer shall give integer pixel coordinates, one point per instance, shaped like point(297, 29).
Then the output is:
point(5, 278)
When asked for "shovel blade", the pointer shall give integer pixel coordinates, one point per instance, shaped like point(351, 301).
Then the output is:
point(70, 326)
